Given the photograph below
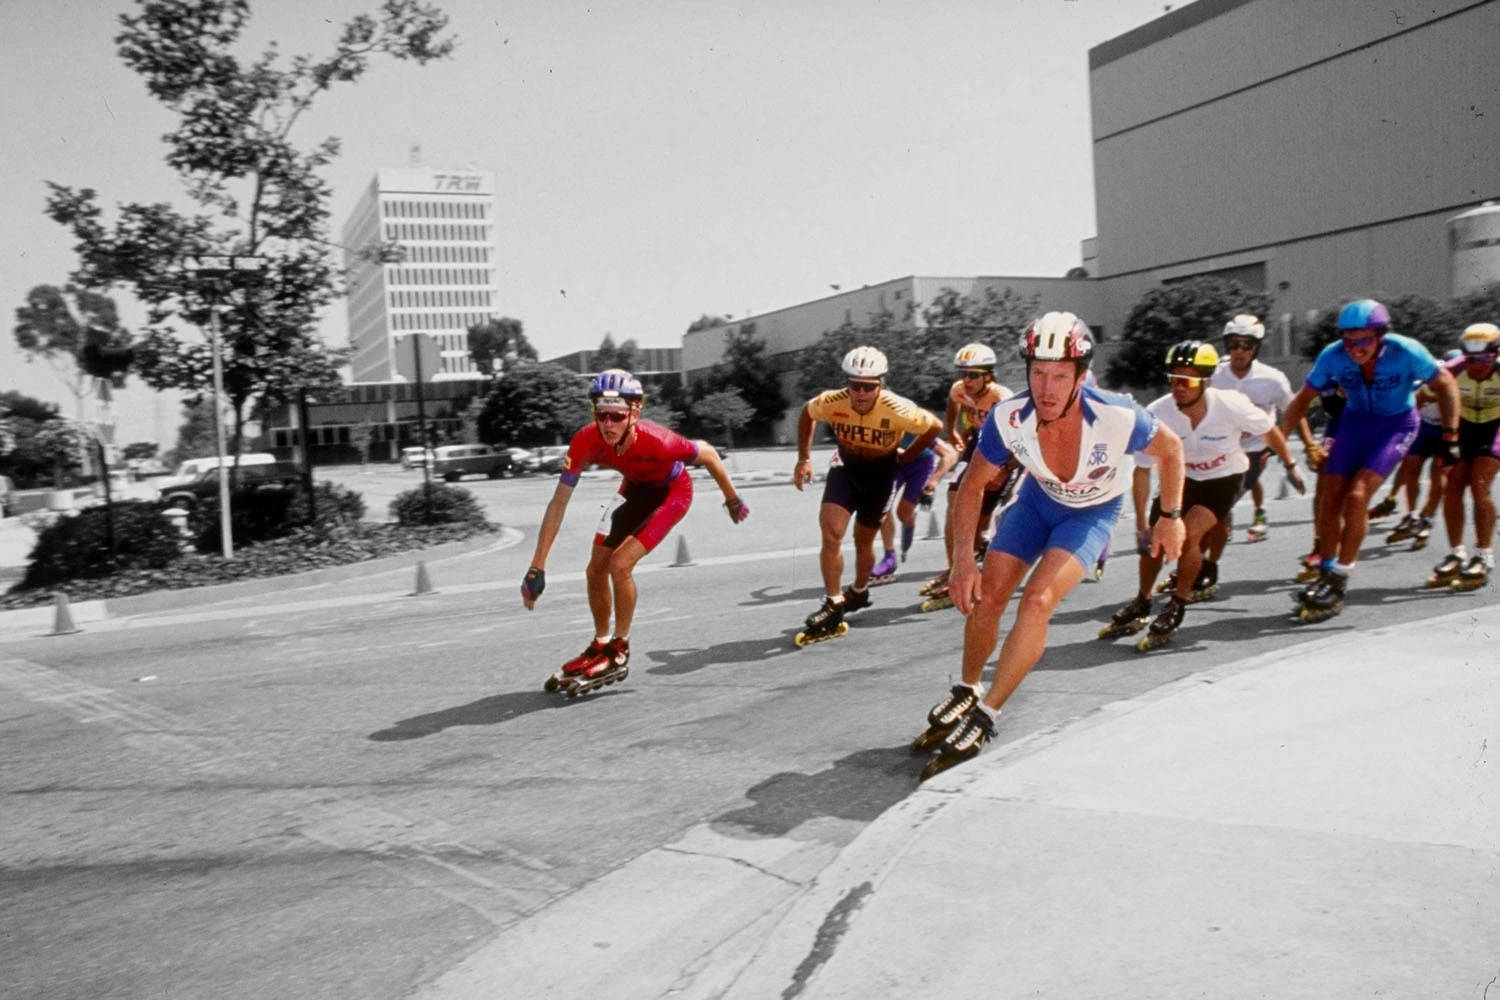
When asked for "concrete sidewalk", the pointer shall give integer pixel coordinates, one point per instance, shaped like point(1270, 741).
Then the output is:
point(1323, 822)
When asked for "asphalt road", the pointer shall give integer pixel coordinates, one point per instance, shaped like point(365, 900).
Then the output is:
point(344, 791)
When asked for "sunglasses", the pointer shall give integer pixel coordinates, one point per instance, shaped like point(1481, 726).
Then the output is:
point(1241, 345)
point(973, 375)
point(1357, 342)
point(864, 386)
point(1190, 381)
point(612, 416)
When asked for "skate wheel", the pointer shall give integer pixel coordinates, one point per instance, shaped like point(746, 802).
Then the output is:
point(929, 740)
point(937, 765)
point(937, 603)
point(551, 685)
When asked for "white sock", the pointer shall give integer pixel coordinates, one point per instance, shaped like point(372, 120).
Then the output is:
point(993, 713)
point(1460, 553)
point(1488, 555)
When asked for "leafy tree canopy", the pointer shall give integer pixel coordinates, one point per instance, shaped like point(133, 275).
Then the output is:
point(608, 355)
point(58, 324)
point(726, 409)
point(497, 343)
point(256, 193)
point(1196, 309)
point(920, 345)
point(747, 371)
point(533, 404)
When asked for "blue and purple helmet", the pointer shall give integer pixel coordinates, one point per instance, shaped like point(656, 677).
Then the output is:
point(1364, 314)
point(616, 383)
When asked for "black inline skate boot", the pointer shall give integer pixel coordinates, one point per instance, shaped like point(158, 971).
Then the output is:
point(1207, 584)
point(1384, 508)
point(1169, 584)
point(1128, 620)
point(1445, 572)
point(1164, 625)
point(1475, 574)
point(825, 623)
point(973, 731)
point(1325, 600)
point(1423, 532)
point(945, 715)
point(1404, 529)
point(855, 600)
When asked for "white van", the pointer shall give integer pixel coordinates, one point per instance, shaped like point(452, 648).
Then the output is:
point(192, 468)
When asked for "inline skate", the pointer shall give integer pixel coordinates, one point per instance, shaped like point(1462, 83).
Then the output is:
point(1422, 534)
point(973, 731)
point(1323, 599)
point(1445, 572)
point(1258, 527)
point(1384, 508)
point(1163, 626)
point(1475, 574)
point(597, 666)
point(1207, 584)
point(945, 715)
point(1128, 620)
point(1404, 529)
point(825, 623)
point(884, 571)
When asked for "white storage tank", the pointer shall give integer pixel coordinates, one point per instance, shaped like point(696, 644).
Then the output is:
point(1474, 248)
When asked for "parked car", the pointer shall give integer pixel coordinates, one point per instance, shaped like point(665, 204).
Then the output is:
point(550, 458)
point(270, 476)
point(524, 461)
point(191, 469)
point(454, 461)
point(415, 458)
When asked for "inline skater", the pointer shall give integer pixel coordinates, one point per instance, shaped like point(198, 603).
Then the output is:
point(1211, 422)
point(867, 421)
point(1378, 371)
point(1416, 523)
point(1331, 402)
point(970, 398)
point(655, 493)
point(1478, 459)
point(1071, 439)
point(916, 482)
point(1268, 388)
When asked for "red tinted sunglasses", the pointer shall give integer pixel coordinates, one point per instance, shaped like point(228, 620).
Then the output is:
point(612, 416)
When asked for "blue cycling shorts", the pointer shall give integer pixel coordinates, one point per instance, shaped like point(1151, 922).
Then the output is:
point(1036, 523)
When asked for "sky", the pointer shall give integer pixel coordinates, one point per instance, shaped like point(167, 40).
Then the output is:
point(655, 160)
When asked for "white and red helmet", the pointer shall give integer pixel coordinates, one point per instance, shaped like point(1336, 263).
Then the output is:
point(1058, 336)
point(865, 362)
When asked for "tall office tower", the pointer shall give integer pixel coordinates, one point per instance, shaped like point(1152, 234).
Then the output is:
point(445, 223)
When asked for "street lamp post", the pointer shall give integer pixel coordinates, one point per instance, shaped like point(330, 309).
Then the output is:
point(217, 275)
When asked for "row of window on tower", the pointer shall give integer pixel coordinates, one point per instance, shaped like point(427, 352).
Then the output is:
point(447, 254)
point(436, 231)
point(437, 320)
point(436, 209)
point(446, 299)
point(440, 276)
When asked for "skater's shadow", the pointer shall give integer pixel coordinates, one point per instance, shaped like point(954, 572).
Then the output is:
point(858, 787)
point(491, 711)
point(778, 595)
point(673, 662)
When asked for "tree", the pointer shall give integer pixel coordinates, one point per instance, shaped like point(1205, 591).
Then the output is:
point(1196, 309)
point(920, 345)
point(63, 333)
point(497, 343)
point(197, 437)
point(746, 371)
point(707, 322)
point(66, 442)
point(726, 408)
point(256, 194)
point(138, 450)
point(534, 404)
point(1436, 324)
point(360, 436)
point(24, 455)
point(607, 355)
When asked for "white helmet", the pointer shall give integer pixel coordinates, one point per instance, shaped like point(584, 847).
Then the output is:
point(1058, 336)
point(974, 356)
point(865, 362)
point(1480, 338)
point(1245, 325)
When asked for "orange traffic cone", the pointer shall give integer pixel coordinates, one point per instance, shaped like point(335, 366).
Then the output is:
point(62, 616)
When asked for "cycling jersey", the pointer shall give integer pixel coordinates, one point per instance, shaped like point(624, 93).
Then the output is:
point(655, 457)
point(1400, 365)
point(1212, 449)
point(972, 409)
point(1267, 388)
point(1114, 426)
point(870, 437)
point(1478, 399)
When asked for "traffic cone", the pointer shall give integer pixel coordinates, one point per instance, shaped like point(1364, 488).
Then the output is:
point(62, 616)
point(683, 559)
point(934, 530)
point(423, 584)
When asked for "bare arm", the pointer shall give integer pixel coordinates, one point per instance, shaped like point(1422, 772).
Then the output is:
point(1168, 534)
point(709, 458)
point(802, 472)
point(923, 441)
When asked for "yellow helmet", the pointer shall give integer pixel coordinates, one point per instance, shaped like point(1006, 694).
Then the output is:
point(1194, 354)
point(1480, 338)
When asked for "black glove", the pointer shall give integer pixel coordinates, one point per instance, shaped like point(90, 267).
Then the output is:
point(532, 585)
point(738, 509)
point(925, 501)
point(1450, 455)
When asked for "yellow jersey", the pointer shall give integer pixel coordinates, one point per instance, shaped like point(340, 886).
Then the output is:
point(1478, 400)
point(972, 409)
point(873, 436)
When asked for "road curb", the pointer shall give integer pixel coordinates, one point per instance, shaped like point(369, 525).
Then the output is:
point(191, 597)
